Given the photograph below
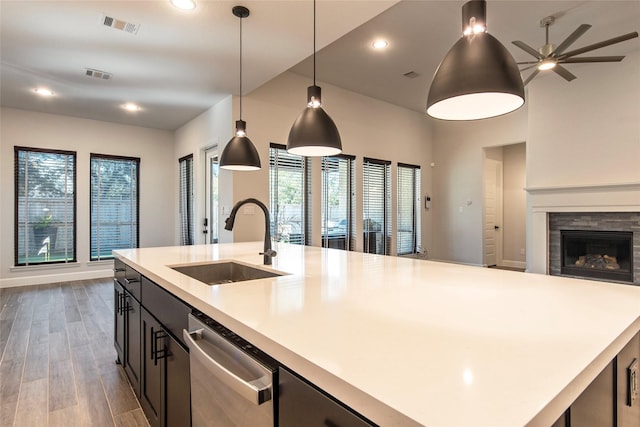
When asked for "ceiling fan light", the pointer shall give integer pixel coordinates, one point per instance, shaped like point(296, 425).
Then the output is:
point(547, 64)
point(477, 79)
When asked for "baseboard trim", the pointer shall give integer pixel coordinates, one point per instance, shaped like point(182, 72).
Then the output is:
point(514, 264)
point(457, 262)
point(54, 278)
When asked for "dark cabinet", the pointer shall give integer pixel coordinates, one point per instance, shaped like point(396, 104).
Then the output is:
point(148, 327)
point(132, 352)
point(118, 327)
point(301, 404)
point(595, 406)
point(628, 399)
point(165, 386)
point(127, 334)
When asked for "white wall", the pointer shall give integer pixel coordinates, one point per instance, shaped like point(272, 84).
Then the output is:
point(458, 153)
point(583, 148)
point(38, 130)
point(368, 127)
point(515, 205)
point(586, 131)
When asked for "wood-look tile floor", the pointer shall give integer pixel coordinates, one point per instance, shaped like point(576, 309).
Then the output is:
point(57, 364)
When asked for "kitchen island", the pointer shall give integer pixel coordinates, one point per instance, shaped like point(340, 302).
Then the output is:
point(414, 342)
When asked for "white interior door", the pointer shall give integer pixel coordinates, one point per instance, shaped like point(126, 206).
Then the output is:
point(211, 195)
point(492, 227)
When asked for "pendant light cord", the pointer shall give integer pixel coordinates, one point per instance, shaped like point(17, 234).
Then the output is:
point(314, 42)
point(241, 68)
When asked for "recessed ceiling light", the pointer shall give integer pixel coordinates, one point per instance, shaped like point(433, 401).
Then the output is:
point(380, 44)
point(43, 91)
point(184, 4)
point(129, 106)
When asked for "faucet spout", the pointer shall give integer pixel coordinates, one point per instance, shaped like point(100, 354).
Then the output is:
point(268, 253)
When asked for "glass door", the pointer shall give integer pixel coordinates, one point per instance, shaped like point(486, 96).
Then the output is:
point(211, 195)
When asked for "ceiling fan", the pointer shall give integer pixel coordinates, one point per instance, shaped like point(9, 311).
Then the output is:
point(550, 56)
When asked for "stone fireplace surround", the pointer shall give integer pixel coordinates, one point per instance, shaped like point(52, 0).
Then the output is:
point(592, 221)
point(585, 199)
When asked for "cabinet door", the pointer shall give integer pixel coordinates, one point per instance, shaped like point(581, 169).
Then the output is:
point(595, 406)
point(118, 327)
point(151, 381)
point(132, 340)
point(300, 404)
point(628, 407)
point(178, 385)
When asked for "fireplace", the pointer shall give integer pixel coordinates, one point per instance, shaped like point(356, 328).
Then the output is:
point(595, 245)
point(604, 255)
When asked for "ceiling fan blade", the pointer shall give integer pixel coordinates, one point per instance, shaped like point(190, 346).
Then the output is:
point(529, 67)
point(527, 62)
point(528, 49)
point(563, 72)
point(598, 45)
point(531, 76)
point(571, 39)
point(592, 59)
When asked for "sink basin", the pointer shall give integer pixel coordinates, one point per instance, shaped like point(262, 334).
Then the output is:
point(219, 273)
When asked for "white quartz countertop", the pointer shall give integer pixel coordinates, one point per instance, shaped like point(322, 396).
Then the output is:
point(413, 342)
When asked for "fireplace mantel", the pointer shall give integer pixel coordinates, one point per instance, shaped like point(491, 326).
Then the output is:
point(610, 197)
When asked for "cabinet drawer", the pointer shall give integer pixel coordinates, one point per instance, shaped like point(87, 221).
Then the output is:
point(128, 278)
point(168, 309)
point(119, 269)
point(301, 404)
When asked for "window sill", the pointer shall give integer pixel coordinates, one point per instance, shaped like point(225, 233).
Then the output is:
point(100, 263)
point(45, 266)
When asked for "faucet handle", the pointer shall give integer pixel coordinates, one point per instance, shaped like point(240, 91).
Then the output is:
point(269, 252)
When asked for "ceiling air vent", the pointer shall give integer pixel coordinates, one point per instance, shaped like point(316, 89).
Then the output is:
point(118, 24)
point(102, 75)
point(411, 75)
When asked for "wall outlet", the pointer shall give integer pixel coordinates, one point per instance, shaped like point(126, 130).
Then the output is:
point(249, 210)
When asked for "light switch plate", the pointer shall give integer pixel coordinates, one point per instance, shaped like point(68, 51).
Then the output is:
point(632, 382)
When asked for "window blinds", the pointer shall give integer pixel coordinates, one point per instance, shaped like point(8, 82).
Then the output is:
point(338, 200)
point(408, 219)
point(288, 198)
point(376, 195)
point(114, 204)
point(45, 203)
point(186, 199)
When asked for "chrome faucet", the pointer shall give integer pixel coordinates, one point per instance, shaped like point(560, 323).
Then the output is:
point(228, 225)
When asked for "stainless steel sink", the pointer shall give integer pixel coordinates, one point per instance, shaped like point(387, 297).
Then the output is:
point(219, 273)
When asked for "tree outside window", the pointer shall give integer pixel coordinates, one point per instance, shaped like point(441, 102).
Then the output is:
point(45, 228)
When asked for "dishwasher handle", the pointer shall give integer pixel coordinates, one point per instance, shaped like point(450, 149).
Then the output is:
point(257, 391)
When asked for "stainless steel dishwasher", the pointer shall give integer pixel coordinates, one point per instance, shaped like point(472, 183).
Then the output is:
point(232, 382)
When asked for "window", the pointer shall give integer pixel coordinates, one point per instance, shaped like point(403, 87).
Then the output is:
point(114, 204)
point(45, 203)
point(338, 213)
point(376, 195)
point(186, 199)
point(288, 178)
point(408, 235)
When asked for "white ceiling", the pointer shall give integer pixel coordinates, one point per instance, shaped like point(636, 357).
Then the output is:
point(177, 65)
point(181, 63)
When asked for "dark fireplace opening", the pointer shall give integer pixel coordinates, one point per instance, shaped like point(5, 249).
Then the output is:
point(597, 254)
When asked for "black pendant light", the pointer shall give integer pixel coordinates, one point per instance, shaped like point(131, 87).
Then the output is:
point(240, 153)
point(478, 78)
point(313, 133)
